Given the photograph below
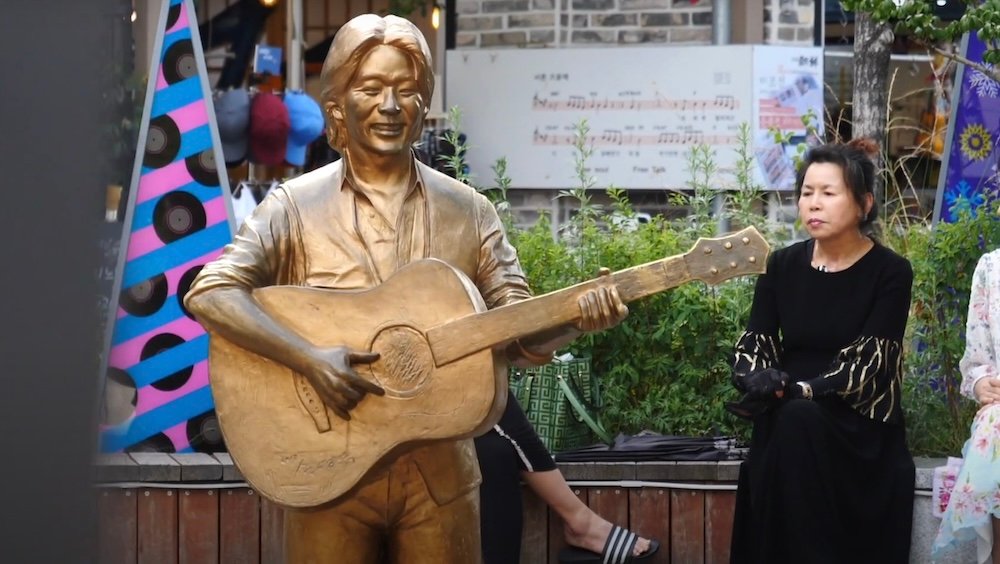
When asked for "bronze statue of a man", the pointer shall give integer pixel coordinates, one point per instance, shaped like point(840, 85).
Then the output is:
point(351, 225)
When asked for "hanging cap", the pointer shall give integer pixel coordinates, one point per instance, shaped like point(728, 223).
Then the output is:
point(306, 124)
point(232, 114)
point(268, 129)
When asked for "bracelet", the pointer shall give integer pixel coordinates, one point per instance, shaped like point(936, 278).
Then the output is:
point(533, 357)
point(807, 390)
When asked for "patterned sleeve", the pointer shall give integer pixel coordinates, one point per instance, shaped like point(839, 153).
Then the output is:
point(754, 352)
point(759, 347)
point(868, 373)
point(980, 360)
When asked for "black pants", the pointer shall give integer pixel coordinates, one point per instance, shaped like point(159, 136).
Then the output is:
point(512, 446)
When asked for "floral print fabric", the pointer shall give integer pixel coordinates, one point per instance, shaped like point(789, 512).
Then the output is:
point(982, 329)
point(975, 498)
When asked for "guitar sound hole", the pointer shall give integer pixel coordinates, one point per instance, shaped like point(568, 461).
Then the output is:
point(405, 361)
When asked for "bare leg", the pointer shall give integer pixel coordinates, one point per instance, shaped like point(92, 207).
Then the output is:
point(996, 541)
point(583, 528)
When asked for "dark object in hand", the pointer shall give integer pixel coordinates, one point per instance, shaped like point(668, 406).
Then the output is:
point(749, 407)
point(763, 388)
point(766, 384)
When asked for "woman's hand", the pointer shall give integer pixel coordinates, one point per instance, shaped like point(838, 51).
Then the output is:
point(766, 384)
point(987, 390)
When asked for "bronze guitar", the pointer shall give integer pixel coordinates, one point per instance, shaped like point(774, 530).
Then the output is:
point(441, 375)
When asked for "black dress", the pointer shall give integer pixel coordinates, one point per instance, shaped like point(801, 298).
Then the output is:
point(828, 480)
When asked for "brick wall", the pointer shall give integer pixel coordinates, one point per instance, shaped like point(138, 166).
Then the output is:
point(588, 23)
point(789, 22)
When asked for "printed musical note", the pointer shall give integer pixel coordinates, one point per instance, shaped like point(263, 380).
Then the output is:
point(634, 104)
point(616, 138)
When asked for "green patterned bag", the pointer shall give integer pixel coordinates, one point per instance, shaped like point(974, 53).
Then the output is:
point(561, 400)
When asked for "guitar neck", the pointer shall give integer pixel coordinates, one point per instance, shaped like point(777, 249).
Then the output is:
point(464, 336)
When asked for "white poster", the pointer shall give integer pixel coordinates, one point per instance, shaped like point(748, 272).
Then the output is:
point(787, 85)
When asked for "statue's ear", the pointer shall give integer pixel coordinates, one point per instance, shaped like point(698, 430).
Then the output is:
point(334, 111)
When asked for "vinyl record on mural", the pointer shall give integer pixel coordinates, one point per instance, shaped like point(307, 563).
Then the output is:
point(163, 141)
point(167, 203)
point(179, 62)
point(177, 215)
point(119, 397)
point(146, 297)
point(203, 169)
point(158, 344)
point(185, 284)
point(173, 15)
point(204, 433)
point(157, 443)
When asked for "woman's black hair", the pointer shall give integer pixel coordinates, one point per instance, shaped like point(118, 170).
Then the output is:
point(856, 159)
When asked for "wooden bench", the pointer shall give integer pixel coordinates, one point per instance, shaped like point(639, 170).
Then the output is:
point(196, 508)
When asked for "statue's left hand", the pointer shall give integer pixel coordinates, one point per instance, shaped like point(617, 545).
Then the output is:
point(601, 308)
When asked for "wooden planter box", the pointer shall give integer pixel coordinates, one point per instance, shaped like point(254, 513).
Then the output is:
point(195, 508)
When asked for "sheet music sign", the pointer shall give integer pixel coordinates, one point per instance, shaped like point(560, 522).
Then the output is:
point(645, 107)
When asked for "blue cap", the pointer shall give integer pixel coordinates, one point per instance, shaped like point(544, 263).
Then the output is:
point(232, 114)
point(306, 124)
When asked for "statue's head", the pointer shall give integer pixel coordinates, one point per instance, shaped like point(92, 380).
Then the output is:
point(377, 84)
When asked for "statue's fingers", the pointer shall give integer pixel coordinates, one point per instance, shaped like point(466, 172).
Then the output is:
point(620, 307)
point(586, 313)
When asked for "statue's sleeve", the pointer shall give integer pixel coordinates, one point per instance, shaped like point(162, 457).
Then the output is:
point(499, 278)
point(261, 253)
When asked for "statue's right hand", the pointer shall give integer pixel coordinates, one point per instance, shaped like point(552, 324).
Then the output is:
point(332, 375)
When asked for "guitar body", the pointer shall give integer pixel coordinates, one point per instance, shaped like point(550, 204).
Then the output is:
point(293, 449)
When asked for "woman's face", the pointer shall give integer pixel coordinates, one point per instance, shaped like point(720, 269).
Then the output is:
point(827, 207)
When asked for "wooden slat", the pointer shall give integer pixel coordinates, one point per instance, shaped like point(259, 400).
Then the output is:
point(239, 526)
point(610, 503)
point(157, 467)
point(198, 467)
point(535, 530)
point(557, 537)
point(230, 473)
point(198, 527)
point(719, 509)
point(687, 526)
point(115, 467)
point(272, 533)
point(116, 509)
point(649, 516)
point(157, 525)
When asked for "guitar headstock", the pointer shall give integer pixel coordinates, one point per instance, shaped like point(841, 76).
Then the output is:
point(713, 260)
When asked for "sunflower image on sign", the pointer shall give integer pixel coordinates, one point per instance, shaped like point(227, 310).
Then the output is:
point(976, 142)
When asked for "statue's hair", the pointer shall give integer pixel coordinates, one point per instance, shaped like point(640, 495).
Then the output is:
point(353, 42)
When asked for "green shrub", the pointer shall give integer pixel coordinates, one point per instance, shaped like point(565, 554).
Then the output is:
point(943, 260)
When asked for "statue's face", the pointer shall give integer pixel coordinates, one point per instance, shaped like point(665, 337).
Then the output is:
point(383, 108)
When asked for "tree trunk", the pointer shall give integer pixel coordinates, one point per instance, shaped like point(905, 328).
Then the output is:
point(872, 44)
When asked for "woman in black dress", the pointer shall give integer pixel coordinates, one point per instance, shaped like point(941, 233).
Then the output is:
point(829, 477)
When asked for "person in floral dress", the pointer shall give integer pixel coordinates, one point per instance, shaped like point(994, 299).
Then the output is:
point(973, 511)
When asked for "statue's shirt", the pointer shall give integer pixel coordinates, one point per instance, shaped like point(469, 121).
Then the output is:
point(319, 230)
